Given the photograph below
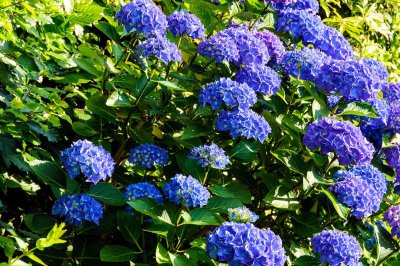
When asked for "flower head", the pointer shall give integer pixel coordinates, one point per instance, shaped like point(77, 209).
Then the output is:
point(221, 48)
point(244, 123)
point(210, 155)
point(261, 79)
point(391, 92)
point(186, 190)
point(392, 216)
point(142, 190)
point(245, 244)
point(161, 48)
point(84, 157)
point(228, 92)
point(142, 16)
point(394, 116)
point(146, 155)
point(341, 137)
point(76, 208)
point(393, 158)
point(242, 215)
point(337, 248)
point(276, 50)
point(180, 23)
point(311, 6)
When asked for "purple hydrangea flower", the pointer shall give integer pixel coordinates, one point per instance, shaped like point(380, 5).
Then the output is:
point(245, 244)
point(180, 23)
point(242, 215)
point(341, 137)
point(76, 208)
point(391, 92)
point(368, 173)
point(186, 190)
point(244, 123)
point(333, 43)
point(146, 155)
point(210, 155)
point(276, 50)
point(337, 248)
point(161, 48)
point(94, 162)
point(260, 78)
point(142, 190)
point(392, 155)
point(377, 67)
point(305, 64)
point(333, 100)
point(228, 92)
point(311, 6)
point(392, 216)
point(359, 195)
point(394, 116)
point(350, 78)
point(221, 48)
point(142, 16)
point(284, 2)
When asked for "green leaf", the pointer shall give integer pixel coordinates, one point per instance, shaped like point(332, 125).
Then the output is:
point(359, 109)
point(319, 111)
point(97, 105)
point(151, 208)
point(118, 99)
point(39, 223)
point(341, 209)
point(8, 246)
point(306, 261)
point(170, 85)
point(283, 198)
point(108, 30)
point(245, 150)
point(128, 226)
point(83, 129)
point(87, 65)
point(180, 260)
point(107, 193)
point(85, 14)
point(233, 190)
point(116, 253)
point(162, 255)
point(35, 259)
point(221, 205)
point(195, 130)
point(201, 217)
point(291, 159)
point(49, 173)
point(295, 123)
point(53, 237)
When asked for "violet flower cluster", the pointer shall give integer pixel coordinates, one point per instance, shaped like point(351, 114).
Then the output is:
point(180, 23)
point(242, 215)
point(94, 162)
point(341, 137)
point(245, 244)
point(261, 79)
point(147, 155)
point(275, 47)
point(186, 190)
point(77, 208)
point(392, 216)
point(311, 6)
point(142, 190)
point(337, 248)
point(161, 48)
point(391, 92)
point(210, 155)
point(392, 155)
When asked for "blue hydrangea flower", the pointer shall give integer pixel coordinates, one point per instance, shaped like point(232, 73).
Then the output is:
point(359, 195)
point(160, 48)
point(391, 92)
point(144, 17)
point(146, 155)
point(94, 162)
point(142, 190)
point(368, 173)
point(180, 23)
point(245, 244)
point(244, 123)
point(392, 155)
point(276, 50)
point(221, 48)
point(210, 155)
point(186, 190)
point(333, 100)
point(242, 215)
point(394, 116)
point(261, 79)
point(229, 92)
point(341, 137)
point(76, 208)
point(337, 248)
point(392, 216)
point(350, 78)
point(333, 43)
point(305, 64)
point(311, 6)
point(284, 2)
point(377, 67)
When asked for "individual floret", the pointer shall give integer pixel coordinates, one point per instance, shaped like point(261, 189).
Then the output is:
point(142, 190)
point(94, 162)
point(228, 92)
point(392, 216)
point(261, 79)
point(77, 208)
point(210, 155)
point(186, 190)
point(337, 248)
point(245, 244)
point(242, 215)
point(341, 137)
point(180, 23)
point(147, 155)
point(244, 123)
point(160, 48)
point(144, 17)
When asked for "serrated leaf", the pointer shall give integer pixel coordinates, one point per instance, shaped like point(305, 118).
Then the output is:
point(49, 173)
point(283, 198)
point(342, 210)
point(107, 193)
point(83, 129)
point(359, 109)
point(201, 217)
point(118, 99)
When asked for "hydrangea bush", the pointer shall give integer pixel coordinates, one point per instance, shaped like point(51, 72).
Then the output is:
point(193, 133)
